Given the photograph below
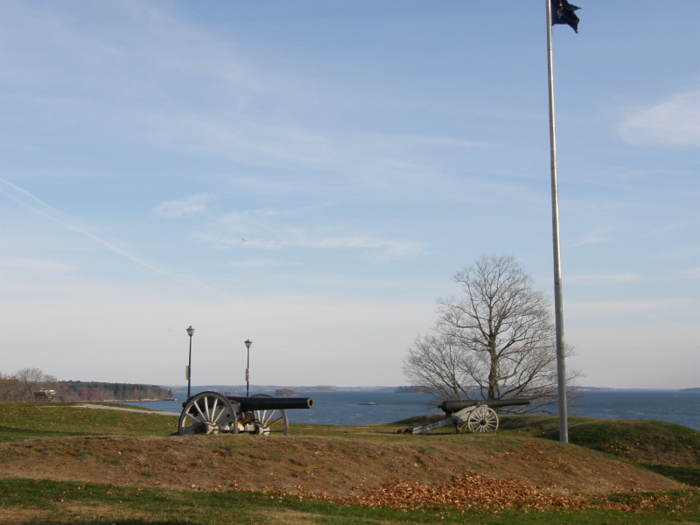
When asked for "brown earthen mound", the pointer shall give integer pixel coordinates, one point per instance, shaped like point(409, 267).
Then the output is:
point(330, 465)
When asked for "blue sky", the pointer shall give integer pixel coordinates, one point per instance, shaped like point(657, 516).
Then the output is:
point(365, 151)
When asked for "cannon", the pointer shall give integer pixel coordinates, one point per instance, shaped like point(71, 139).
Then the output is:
point(213, 413)
point(471, 415)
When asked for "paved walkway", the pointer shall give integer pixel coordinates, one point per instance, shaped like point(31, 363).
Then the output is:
point(135, 410)
point(120, 409)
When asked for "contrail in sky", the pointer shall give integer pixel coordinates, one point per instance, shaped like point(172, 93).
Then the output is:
point(51, 214)
point(73, 227)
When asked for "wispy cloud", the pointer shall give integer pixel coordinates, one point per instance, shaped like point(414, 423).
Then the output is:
point(249, 220)
point(688, 274)
point(624, 307)
point(244, 111)
point(670, 227)
point(43, 265)
point(375, 249)
point(261, 263)
point(682, 253)
point(673, 122)
point(270, 229)
point(383, 162)
point(183, 207)
point(38, 206)
point(592, 279)
point(594, 237)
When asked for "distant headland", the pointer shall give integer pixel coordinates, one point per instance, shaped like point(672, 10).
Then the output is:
point(413, 390)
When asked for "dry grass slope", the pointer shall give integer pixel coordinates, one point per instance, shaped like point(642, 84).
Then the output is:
point(331, 465)
point(135, 457)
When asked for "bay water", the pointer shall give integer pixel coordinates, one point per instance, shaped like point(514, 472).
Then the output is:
point(350, 408)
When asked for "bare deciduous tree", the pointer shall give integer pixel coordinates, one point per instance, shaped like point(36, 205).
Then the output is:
point(497, 341)
point(33, 379)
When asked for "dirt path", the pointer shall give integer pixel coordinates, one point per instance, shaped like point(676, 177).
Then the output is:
point(331, 465)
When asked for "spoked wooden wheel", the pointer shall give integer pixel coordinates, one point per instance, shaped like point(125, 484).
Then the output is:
point(207, 413)
point(268, 422)
point(482, 419)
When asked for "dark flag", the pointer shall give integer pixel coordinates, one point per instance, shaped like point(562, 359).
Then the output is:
point(564, 13)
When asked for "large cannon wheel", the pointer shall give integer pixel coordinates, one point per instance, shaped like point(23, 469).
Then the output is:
point(268, 422)
point(207, 413)
point(482, 419)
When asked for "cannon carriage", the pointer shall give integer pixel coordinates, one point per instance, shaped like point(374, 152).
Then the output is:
point(472, 415)
point(214, 413)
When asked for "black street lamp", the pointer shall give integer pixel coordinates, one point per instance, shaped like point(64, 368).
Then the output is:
point(188, 371)
point(248, 342)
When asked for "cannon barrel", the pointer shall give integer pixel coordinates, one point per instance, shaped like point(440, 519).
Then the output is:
point(271, 403)
point(455, 406)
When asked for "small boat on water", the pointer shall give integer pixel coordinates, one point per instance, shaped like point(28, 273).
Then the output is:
point(370, 403)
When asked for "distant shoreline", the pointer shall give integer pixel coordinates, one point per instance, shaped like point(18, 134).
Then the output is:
point(135, 400)
point(390, 389)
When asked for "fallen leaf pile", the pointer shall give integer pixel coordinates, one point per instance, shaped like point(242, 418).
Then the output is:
point(481, 493)
point(471, 491)
point(476, 492)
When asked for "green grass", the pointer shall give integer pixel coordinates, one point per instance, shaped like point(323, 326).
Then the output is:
point(22, 421)
point(642, 442)
point(67, 502)
point(688, 475)
point(620, 437)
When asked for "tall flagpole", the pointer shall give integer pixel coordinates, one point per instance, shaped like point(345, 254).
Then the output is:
point(558, 304)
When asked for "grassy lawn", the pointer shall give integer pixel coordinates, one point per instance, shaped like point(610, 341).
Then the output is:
point(64, 502)
point(30, 421)
point(669, 450)
point(649, 444)
point(688, 475)
point(622, 438)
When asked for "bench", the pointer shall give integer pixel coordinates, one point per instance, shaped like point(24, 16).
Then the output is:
point(44, 395)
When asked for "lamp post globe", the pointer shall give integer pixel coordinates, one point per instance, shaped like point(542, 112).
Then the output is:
point(247, 343)
point(188, 372)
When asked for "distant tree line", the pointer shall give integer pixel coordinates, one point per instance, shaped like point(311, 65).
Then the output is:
point(20, 387)
point(414, 390)
point(96, 391)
